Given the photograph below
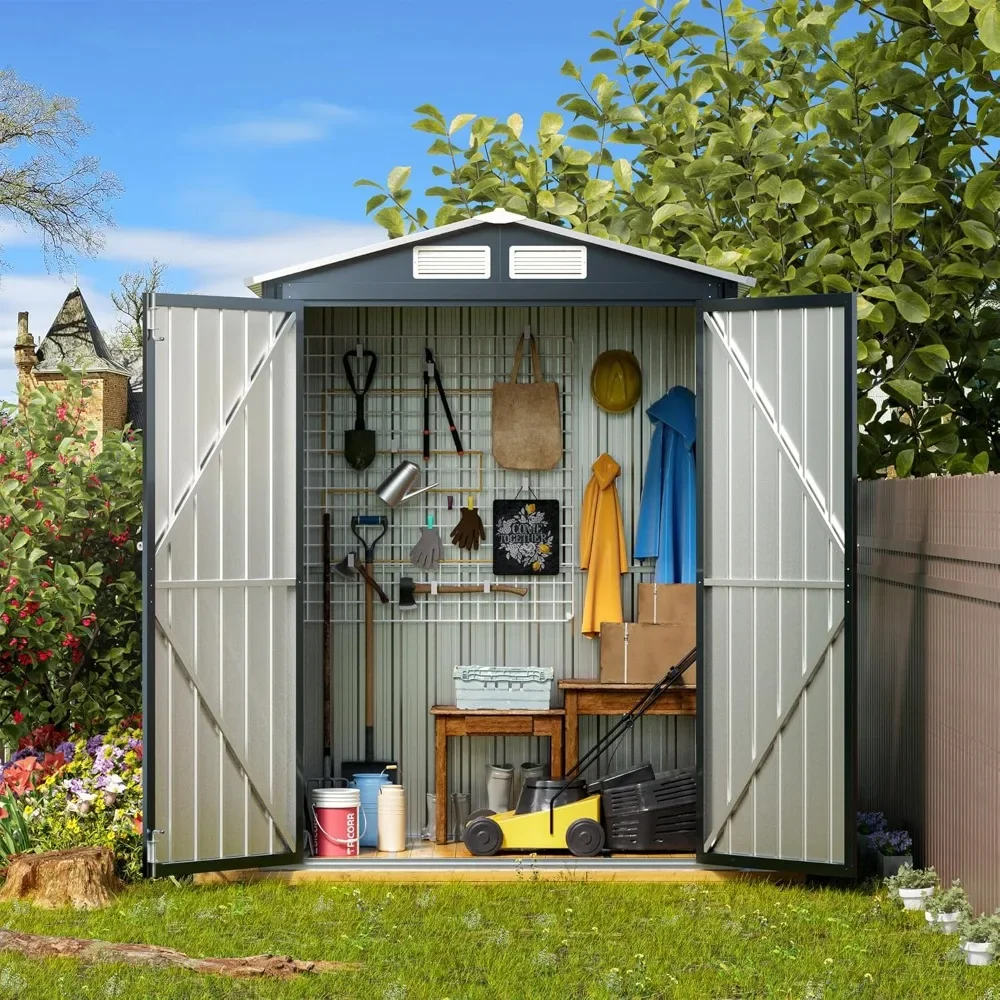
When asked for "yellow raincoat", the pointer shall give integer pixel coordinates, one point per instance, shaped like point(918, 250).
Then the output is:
point(602, 548)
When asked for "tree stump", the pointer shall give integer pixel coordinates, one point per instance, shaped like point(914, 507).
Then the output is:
point(83, 877)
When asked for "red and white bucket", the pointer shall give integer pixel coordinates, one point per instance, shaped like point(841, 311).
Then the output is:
point(337, 822)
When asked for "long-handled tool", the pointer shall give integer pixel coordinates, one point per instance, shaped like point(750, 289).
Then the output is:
point(349, 569)
point(622, 726)
point(431, 371)
point(359, 443)
point(327, 660)
point(369, 765)
point(408, 588)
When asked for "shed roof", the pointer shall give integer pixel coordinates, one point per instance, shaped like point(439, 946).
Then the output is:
point(503, 218)
point(76, 340)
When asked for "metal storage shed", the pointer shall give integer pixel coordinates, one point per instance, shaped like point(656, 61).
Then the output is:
point(245, 411)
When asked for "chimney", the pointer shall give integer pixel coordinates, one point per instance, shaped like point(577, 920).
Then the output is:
point(25, 358)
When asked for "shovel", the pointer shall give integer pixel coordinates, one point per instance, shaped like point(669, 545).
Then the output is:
point(359, 443)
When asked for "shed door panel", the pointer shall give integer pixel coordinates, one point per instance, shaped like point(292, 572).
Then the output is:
point(221, 667)
point(776, 674)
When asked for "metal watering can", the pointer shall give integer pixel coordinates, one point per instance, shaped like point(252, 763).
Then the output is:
point(392, 490)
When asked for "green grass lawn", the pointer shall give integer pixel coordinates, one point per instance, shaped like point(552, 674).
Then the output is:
point(515, 940)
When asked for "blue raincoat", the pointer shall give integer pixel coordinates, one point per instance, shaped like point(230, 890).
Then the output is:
point(667, 527)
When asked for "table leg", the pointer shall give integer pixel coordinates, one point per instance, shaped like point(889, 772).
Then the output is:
point(572, 730)
point(440, 780)
point(556, 750)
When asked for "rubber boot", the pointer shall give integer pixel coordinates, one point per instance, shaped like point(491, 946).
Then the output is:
point(460, 807)
point(529, 770)
point(427, 833)
point(499, 778)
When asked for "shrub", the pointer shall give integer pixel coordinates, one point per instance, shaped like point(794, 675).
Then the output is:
point(71, 601)
point(950, 900)
point(871, 822)
point(14, 835)
point(893, 842)
point(94, 799)
point(909, 877)
point(984, 929)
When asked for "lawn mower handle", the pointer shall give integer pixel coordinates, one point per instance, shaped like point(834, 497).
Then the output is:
point(622, 726)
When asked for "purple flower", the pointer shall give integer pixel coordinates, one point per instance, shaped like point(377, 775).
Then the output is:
point(75, 785)
point(26, 752)
point(94, 744)
point(871, 822)
point(134, 744)
point(893, 842)
point(68, 750)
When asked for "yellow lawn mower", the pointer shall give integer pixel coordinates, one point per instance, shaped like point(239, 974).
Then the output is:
point(565, 813)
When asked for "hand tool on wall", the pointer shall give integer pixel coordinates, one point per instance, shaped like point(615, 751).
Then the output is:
point(409, 588)
point(350, 568)
point(359, 443)
point(469, 531)
point(427, 552)
point(431, 371)
point(327, 661)
point(365, 521)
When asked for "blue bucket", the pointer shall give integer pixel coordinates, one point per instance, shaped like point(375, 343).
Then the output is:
point(368, 785)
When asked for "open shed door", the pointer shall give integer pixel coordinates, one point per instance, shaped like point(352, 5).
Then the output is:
point(221, 559)
point(776, 465)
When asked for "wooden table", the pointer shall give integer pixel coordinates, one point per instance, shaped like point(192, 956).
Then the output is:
point(452, 721)
point(594, 698)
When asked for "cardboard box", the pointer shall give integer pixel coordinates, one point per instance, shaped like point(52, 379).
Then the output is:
point(641, 653)
point(668, 604)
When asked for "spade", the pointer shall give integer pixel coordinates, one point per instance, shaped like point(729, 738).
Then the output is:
point(359, 443)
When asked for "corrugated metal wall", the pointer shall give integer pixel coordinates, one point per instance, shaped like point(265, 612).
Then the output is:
point(772, 455)
point(929, 670)
point(415, 658)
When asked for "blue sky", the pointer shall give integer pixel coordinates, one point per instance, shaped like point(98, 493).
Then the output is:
point(238, 129)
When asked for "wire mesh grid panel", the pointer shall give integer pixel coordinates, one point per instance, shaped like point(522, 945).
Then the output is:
point(472, 348)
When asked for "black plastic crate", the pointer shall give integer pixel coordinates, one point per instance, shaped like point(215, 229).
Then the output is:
point(657, 815)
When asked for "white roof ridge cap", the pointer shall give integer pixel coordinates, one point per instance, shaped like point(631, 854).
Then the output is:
point(499, 216)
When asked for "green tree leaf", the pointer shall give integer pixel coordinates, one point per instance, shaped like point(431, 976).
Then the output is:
point(904, 462)
point(977, 233)
point(398, 177)
point(912, 306)
point(902, 128)
point(988, 23)
point(905, 390)
point(459, 121)
point(622, 170)
point(792, 192)
point(516, 124)
point(866, 409)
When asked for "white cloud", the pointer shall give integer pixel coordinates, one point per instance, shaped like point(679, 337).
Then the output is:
point(308, 121)
point(196, 262)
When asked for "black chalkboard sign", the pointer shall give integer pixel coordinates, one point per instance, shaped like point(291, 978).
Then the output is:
point(525, 537)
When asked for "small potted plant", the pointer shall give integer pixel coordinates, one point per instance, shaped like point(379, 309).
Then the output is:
point(912, 886)
point(869, 823)
point(946, 908)
point(980, 936)
point(894, 849)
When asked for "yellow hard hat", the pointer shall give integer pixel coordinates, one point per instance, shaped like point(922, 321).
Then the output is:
point(616, 381)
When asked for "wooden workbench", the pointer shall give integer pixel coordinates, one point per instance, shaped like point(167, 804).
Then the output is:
point(452, 721)
point(592, 697)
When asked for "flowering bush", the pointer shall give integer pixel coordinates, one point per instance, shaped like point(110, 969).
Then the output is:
point(871, 822)
point(70, 593)
point(892, 842)
point(94, 799)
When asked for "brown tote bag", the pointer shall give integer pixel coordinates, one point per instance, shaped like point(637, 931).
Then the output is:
point(527, 427)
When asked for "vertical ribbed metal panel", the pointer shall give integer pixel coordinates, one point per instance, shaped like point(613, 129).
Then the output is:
point(773, 677)
point(929, 670)
point(415, 658)
point(224, 529)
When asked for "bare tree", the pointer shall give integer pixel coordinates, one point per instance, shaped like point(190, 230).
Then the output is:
point(125, 343)
point(44, 188)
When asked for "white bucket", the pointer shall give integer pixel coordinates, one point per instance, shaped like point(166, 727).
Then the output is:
point(391, 818)
point(336, 814)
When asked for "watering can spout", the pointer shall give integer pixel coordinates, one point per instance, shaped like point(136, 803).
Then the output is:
point(393, 490)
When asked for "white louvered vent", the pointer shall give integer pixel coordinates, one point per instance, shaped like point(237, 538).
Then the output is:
point(451, 262)
point(548, 262)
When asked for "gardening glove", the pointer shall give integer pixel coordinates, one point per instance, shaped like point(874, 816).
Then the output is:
point(427, 552)
point(469, 531)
